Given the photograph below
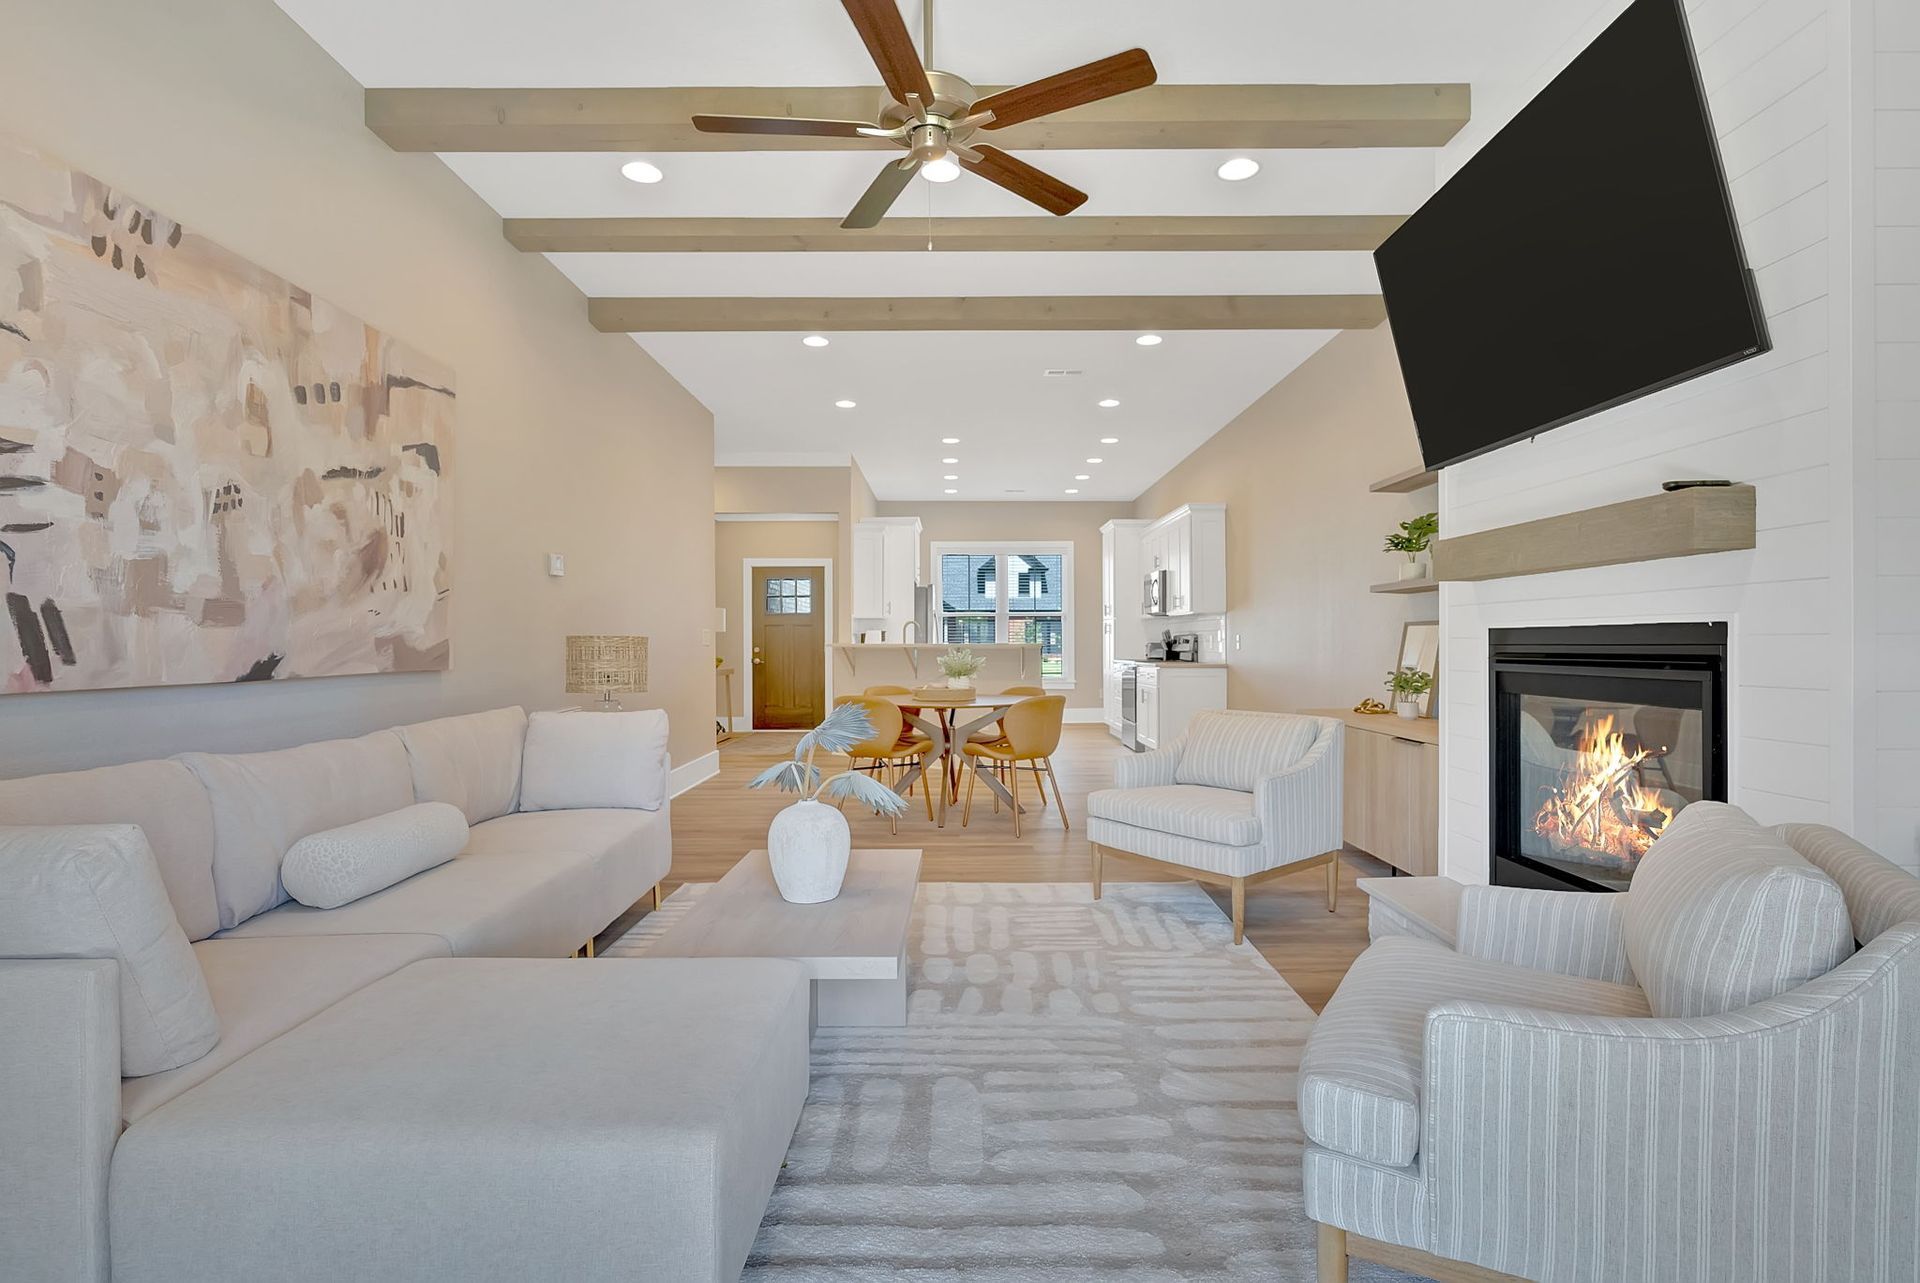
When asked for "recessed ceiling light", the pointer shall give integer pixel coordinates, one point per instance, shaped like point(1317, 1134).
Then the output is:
point(815, 340)
point(949, 460)
point(640, 171)
point(944, 170)
point(845, 404)
point(952, 491)
point(1238, 168)
point(1096, 460)
point(1148, 340)
point(1070, 490)
point(951, 476)
point(1108, 404)
point(1109, 440)
point(949, 440)
point(1083, 477)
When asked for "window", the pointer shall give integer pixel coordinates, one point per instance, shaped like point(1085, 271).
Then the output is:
point(789, 597)
point(1019, 593)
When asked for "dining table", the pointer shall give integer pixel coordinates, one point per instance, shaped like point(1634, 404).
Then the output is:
point(948, 723)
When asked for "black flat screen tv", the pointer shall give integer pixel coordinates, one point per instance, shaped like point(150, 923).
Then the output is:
point(1586, 255)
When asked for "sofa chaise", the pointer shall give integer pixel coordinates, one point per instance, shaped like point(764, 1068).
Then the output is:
point(418, 1083)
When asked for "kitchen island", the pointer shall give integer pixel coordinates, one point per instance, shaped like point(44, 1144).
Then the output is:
point(856, 666)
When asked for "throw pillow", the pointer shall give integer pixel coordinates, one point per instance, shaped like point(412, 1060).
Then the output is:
point(333, 867)
point(94, 891)
point(1722, 914)
point(580, 759)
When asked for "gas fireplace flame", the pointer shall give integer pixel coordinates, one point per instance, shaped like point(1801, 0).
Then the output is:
point(1599, 804)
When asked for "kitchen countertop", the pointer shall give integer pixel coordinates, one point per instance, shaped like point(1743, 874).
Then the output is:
point(1173, 663)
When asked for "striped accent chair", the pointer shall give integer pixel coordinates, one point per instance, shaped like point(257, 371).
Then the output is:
point(1241, 798)
point(1715, 1075)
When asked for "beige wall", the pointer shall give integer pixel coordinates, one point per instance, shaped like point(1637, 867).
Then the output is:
point(227, 117)
point(842, 491)
point(734, 543)
point(1303, 534)
point(1078, 523)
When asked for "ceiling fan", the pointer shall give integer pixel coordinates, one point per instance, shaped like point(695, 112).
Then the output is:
point(935, 115)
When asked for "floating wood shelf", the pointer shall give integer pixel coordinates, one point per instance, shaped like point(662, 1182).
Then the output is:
point(1679, 523)
point(1407, 586)
point(1406, 482)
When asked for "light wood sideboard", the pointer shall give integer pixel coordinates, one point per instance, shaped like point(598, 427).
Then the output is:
point(1392, 785)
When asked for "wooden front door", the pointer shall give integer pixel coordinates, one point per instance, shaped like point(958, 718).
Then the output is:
point(789, 647)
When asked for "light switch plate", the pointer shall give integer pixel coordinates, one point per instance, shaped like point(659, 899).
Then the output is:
point(706, 636)
point(556, 564)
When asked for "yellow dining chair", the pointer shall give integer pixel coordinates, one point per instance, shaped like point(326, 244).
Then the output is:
point(993, 733)
point(886, 747)
point(909, 733)
point(1032, 734)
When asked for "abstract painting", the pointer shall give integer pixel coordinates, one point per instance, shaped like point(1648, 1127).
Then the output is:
point(206, 473)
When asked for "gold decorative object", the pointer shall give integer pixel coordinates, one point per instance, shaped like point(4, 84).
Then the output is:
point(606, 664)
point(1371, 706)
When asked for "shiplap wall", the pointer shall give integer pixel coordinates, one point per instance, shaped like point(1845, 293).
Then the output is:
point(1893, 248)
point(1778, 77)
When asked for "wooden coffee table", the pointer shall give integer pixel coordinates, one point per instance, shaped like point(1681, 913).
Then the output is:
point(853, 946)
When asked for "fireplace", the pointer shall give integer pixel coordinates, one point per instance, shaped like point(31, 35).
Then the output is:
point(1600, 735)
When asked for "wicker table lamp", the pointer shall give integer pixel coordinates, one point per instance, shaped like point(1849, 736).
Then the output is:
point(606, 664)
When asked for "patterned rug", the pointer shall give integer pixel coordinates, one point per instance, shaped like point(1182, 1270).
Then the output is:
point(1083, 1092)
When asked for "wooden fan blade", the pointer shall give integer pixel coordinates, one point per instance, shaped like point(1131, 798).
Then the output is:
point(781, 125)
point(1024, 181)
point(1119, 74)
point(885, 33)
point(881, 193)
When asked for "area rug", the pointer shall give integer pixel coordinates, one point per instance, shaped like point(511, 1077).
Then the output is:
point(1085, 1091)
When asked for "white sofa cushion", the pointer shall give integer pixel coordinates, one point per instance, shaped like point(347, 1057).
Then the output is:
point(1188, 810)
point(1236, 750)
point(1723, 914)
point(263, 988)
point(630, 850)
point(265, 802)
point(581, 759)
point(163, 798)
point(94, 891)
point(472, 761)
point(1363, 1069)
point(333, 867)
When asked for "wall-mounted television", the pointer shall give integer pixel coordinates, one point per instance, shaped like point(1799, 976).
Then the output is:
point(1586, 255)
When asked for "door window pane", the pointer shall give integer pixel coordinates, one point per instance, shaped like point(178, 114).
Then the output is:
point(789, 597)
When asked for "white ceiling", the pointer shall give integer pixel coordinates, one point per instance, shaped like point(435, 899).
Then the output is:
point(772, 397)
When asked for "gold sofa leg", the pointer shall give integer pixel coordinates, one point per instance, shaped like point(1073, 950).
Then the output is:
point(1332, 1256)
point(588, 950)
point(1239, 910)
point(656, 895)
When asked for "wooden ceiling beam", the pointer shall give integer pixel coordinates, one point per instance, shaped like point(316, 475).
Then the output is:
point(1159, 116)
point(1080, 232)
point(1088, 312)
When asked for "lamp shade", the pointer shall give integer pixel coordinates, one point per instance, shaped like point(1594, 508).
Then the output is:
point(601, 663)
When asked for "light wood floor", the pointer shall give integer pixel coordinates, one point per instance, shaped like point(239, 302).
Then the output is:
point(1287, 919)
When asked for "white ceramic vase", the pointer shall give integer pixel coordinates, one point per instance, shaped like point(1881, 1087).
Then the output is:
point(808, 844)
point(1407, 707)
point(1412, 567)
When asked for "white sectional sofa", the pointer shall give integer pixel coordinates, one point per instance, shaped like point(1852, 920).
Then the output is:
point(398, 1089)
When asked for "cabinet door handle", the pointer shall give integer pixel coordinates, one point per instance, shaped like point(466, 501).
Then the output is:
point(1401, 739)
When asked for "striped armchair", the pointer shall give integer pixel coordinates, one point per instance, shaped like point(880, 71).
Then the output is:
point(1702, 1078)
point(1241, 798)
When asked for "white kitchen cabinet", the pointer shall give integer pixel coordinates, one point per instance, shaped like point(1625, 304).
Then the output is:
point(1170, 695)
point(1147, 706)
point(1124, 625)
point(886, 568)
point(1190, 544)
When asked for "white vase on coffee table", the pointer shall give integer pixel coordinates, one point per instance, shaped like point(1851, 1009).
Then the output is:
point(808, 844)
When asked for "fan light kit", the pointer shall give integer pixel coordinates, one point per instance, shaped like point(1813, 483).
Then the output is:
point(844, 404)
point(815, 340)
point(934, 115)
point(640, 171)
point(1148, 340)
point(1238, 169)
point(1108, 404)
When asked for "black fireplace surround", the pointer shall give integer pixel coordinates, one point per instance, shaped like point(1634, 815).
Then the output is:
point(1599, 735)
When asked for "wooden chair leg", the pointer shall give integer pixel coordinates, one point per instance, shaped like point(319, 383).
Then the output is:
point(589, 947)
point(1239, 910)
point(926, 793)
point(1333, 882)
point(656, 895)
point(1037, 784)
point(1332, 1256)
point(973, 778)
point(1015, 774)
point(1097, 853)
point(1057, 796)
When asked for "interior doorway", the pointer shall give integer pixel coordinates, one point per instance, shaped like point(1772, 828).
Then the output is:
point(789, 605)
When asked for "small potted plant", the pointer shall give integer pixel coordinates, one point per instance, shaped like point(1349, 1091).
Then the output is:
point(1414, 538)
point(808, 843)
point(960, 664)
point(1408, 685)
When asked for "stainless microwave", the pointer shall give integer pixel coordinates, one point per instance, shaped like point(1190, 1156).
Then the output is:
point(1156, 599)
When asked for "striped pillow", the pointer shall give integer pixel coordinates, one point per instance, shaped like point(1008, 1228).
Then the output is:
point(1723, 914)
point(1236, 750)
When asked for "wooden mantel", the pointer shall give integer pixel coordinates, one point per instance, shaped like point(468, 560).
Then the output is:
point(1678, 523)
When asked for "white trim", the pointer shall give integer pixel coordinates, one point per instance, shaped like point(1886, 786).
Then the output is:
point(775, 459)
point(698, 771)
point(747, 566)
point(1002, 548)
point(1086, 717)
point(776, 516)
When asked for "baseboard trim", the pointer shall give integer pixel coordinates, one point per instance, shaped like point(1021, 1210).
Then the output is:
point(1086, 717)
point(698, 771)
